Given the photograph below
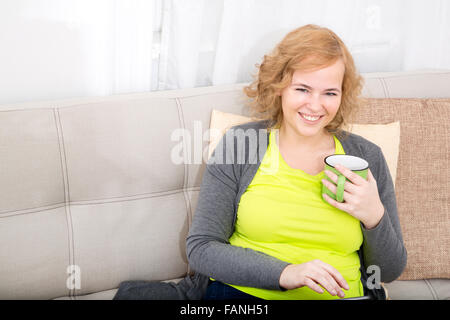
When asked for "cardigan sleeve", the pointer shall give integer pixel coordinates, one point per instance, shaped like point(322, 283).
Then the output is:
point(383, 245)
point(208, 249)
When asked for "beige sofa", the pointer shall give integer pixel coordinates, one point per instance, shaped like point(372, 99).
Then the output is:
point(90, 195)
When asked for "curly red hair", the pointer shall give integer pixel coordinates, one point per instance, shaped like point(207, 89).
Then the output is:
point(306, 48)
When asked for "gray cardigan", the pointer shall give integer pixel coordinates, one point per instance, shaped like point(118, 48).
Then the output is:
point(228, 173)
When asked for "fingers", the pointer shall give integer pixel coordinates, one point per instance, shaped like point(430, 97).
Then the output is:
point(313, 286)
point(329, 278)
point(333, 188)
point(350, 175)
point(344, 206)
point(328, 282)
point(348, 186)
point(316, 275)
point(335, 274)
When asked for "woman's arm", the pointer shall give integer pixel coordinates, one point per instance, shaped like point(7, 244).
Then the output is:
point(383, 245)
point(207, 246)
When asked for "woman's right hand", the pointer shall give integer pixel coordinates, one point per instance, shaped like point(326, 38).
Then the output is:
point(312, 274)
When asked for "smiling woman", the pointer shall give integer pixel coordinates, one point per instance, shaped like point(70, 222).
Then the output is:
point(273, 235)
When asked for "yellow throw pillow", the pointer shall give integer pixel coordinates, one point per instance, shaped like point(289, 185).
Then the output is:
point(386, 136)
point(220, 123)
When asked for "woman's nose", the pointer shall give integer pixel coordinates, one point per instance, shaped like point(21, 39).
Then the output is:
point(315, 103)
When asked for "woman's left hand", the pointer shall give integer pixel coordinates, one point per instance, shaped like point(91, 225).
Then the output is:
point(361, 199)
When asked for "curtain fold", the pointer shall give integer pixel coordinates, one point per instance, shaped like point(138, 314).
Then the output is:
point(189, 35)
point(55, 49)
point(132, 50)
point(382, 35)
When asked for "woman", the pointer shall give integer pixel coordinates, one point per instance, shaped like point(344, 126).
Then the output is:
point(271, 234)
point(262, 228)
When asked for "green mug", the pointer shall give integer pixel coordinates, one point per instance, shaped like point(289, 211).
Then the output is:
point(356, 164)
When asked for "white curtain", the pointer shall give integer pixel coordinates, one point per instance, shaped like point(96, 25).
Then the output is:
point(189, 34)
point(230, 36)
point(53, 49)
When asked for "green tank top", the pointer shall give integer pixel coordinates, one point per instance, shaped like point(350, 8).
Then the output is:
point(282, 213)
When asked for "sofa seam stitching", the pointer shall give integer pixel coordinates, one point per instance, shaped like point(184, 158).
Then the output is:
point(430, 287)
point(186, 173)
point(151, 195)
point(186, 169)
point(62, 204)
point(12, 213)
point(385, 89)
point(66, 191)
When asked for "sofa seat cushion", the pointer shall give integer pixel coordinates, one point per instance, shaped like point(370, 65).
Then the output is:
point(101, 295)
point(428, 289)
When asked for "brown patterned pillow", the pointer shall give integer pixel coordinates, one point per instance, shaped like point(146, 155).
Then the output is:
point(423, 179)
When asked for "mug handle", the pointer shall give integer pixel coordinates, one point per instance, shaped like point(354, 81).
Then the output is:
point(340, 188)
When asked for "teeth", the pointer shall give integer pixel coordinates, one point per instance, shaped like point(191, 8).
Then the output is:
point(309, 118)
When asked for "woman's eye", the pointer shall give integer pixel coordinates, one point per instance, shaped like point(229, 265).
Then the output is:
point(331, 94)
point(302, 89)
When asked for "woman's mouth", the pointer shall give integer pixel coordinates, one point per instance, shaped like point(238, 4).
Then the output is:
point(309, 119)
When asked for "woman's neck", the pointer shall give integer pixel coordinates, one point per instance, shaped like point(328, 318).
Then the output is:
point(289, 139)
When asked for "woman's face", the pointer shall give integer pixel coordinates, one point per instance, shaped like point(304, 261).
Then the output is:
point(314, 94)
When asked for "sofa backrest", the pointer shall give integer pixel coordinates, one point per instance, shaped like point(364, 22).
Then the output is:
point(94, 191)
